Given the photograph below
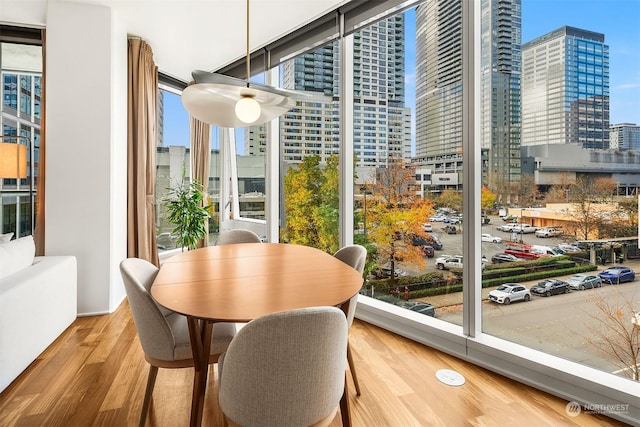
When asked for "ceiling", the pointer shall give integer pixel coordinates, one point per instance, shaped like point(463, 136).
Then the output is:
point(201, 34)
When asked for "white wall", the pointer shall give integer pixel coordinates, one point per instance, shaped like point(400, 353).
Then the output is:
point(86, 148)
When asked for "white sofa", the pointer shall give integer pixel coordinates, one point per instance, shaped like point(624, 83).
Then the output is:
point(38, 301)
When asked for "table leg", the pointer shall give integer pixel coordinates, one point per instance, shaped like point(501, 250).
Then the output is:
point(200, 336)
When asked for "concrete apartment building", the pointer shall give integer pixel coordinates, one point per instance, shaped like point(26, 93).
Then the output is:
point(624, 136)
point(439, 92)
point(382, 125)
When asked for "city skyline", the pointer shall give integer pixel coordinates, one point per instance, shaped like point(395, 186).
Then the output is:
point(619, 24)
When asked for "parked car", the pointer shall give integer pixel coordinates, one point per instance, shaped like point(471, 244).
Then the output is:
point(524, 229)
point(547, 250)
point(385, 272)
point(616, 275)
point(548, 232)
point(506, 227)
point(567, 248)
point(582, 281)
point(447, 261)
point(427, 227)
point(417, 240)
point(523, 251)
point(490, 238)
point(498, 258)
point(428, 251)
point(509, 292)
point(420, 307)
point(434, 241)
point(455, 220)
point(550, 287)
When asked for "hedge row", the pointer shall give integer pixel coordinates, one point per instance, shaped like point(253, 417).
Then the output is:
point(540, 275)
point(431, 284)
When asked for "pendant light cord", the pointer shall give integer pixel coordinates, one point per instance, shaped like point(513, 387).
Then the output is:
point(248, 55)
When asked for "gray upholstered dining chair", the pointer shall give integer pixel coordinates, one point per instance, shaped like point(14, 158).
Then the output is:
point(163, 334)
point(237, 236)
point(285, 369)
point(355, 256)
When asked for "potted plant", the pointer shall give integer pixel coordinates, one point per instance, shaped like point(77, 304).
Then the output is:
point(186, 211)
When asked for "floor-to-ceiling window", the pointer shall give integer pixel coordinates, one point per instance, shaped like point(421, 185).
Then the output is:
point(309, 144)
point(21, 73)
point(172, 158)
point(472, 167)
point(548, 97)
point(235, 204)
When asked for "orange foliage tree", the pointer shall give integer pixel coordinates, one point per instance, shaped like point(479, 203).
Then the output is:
point(396, 215)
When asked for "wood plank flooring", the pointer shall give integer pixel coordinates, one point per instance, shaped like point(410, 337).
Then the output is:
point(95, 374)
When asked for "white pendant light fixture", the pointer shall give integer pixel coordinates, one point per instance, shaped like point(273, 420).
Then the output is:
point(233, 103)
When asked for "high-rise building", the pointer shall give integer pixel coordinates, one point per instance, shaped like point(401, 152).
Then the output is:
point(382, 125)
point(439, 92)
point(501, 65)
point(565, 89)
point(624, 136)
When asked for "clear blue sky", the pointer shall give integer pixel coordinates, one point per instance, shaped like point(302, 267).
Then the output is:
point(618, 20)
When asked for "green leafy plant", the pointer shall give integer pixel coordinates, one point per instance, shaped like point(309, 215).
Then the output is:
point(186, 211)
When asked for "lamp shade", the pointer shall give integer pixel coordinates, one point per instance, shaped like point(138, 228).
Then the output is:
point(13, 160)
point(213, 98)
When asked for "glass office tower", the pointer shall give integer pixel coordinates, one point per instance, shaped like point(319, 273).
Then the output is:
point(565, 89)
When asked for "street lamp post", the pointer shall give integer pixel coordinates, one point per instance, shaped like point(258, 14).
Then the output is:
point(364, 192)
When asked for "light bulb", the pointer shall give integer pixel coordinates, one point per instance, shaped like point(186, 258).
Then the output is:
point(248, 109)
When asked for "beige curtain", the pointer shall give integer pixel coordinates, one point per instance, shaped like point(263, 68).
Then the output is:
point(141, 152)
point(200, 160)
point(39, 231)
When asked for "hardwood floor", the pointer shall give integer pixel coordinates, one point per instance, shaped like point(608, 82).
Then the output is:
point(95, 373)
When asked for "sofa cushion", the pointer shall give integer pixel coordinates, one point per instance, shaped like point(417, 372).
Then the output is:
point(16, 255)
point(4, 238)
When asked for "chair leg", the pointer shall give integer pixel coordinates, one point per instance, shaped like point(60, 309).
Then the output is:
point(352, 368)
point(345, 411)
point(151, 382)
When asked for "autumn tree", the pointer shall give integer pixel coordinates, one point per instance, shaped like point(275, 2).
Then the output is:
point(528, 192)
point(625, 219)
point(585, 195)
point(311, 204)
point(559, 191)
point(616, 334)
point(450, 199)
point(488, 198)
point(396, 214)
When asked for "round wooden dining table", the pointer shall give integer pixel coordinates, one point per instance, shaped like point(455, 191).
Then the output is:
point(241, 282)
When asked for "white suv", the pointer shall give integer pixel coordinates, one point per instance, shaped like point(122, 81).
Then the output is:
point(548, 232)
point(509, 292)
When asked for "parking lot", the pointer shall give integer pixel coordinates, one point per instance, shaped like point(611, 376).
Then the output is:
point(452, 243)
point(562, 325)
